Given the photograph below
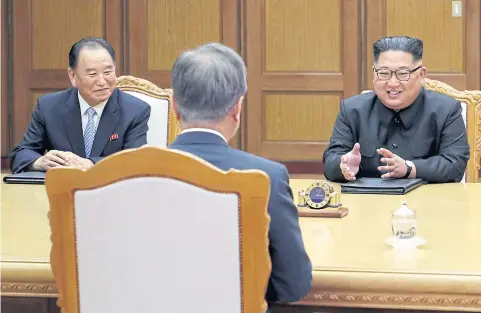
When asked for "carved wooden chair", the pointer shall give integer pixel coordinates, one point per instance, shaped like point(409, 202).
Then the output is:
point(163, 127)
point(471, 106)
point(168, 233)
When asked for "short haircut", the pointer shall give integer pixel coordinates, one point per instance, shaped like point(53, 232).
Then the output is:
point(89, 42)
point(414, 46)
point(207, 82)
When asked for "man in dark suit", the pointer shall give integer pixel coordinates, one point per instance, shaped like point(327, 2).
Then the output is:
point(209, 85)
point(401, 130)
point(80, 125)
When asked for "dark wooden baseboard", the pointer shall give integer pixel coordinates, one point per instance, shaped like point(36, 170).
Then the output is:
point(304, 167)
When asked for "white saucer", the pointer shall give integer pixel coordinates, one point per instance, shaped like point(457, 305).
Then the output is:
point(413, 242)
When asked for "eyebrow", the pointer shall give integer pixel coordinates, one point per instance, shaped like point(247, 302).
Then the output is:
point(399, 68)
point(108, 67)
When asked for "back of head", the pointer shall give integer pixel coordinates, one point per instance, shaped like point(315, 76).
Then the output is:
point(207, 83)
point(413, 46)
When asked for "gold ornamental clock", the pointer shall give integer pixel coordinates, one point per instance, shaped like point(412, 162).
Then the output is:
point(320, 199)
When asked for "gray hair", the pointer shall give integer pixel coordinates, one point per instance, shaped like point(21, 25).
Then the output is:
point(207, 82)
point(414, 46)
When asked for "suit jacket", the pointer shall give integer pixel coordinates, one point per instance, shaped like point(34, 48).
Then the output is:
point(291, 275)
point(430, 132)
point(57, 125)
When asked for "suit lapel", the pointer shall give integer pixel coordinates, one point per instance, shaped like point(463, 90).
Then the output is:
point(73, 124)
point(108, 122)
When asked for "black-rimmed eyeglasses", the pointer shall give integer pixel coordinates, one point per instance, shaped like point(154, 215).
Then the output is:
point(401, 75)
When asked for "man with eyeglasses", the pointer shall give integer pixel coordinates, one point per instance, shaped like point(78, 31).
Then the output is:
point(78, 126)
point(401, 130)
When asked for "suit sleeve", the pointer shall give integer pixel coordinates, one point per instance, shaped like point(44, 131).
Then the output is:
point(291, 277)
point(136, 135)
point(450, 163)
point(341, 142)
point(32, 145)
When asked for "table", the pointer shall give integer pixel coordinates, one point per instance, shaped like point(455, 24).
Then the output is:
point(352, 266)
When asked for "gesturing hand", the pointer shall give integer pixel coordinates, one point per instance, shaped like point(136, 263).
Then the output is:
point(395, 165)
point(350, 163)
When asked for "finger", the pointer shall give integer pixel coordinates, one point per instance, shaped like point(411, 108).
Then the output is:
point(388, 161)
point(356, 149)
point(384, 152)
point(61, 154)
point(388, 175)
point(386, 168)
point(50, 164)
point(54, 158)
point(344, 158)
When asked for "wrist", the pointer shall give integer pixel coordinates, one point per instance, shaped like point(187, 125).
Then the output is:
point(413, 171)
point(409, 169)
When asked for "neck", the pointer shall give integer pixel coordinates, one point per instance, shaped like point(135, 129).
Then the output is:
point(220, 127)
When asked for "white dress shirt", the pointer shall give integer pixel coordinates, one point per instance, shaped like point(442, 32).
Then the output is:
point(205, 130)
point(84, 106)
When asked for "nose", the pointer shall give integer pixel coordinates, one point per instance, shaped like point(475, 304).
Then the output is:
point(393, 81)
point(101, 80)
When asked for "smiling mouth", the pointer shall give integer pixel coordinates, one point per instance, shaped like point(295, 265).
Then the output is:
point(393, 93)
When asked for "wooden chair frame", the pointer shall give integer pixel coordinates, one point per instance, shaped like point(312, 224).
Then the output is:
point(472, 99)
point(140, 85)
point(251, 186)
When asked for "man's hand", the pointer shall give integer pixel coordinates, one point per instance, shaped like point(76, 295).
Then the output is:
point(55, 158)
point(75, 161)
point(350, 163)
point(395, 165)
point(50, 160)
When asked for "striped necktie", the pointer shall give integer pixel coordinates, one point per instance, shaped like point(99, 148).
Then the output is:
point(89, 133)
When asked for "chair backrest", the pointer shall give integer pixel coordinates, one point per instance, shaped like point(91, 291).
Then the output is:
point(471, 106)
point(163, 126)
point(155, 230)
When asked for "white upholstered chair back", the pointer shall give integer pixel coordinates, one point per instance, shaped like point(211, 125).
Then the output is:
point(471, 105)
point(471, 111)
point(168, 234)
point(162, 124)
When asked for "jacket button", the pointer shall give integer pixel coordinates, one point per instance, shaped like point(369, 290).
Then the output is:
point(394, 146)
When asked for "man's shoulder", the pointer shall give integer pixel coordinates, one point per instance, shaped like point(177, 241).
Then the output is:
point(439, 101)
point(53, 99)
point(247, 160)
point(359, 101)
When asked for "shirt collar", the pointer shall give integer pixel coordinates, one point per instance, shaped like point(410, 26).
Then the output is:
point(84, 106)
point(407, 115)
point(205, 130)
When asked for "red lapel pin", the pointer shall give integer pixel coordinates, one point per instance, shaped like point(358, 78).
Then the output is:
point(114, 137)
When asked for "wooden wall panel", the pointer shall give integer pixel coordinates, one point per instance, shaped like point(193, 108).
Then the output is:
point(43, 33)
point(158, 30)
point(301, 55)
point(451, 44)
point(293, 48)
point(168, 35)
point(4, 64)
point(314, 116)
point(50, 16)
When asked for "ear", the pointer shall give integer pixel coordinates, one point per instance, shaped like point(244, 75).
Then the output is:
point(71, 76)
point(422, 73)
point(174, 106)
point(236, 111)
